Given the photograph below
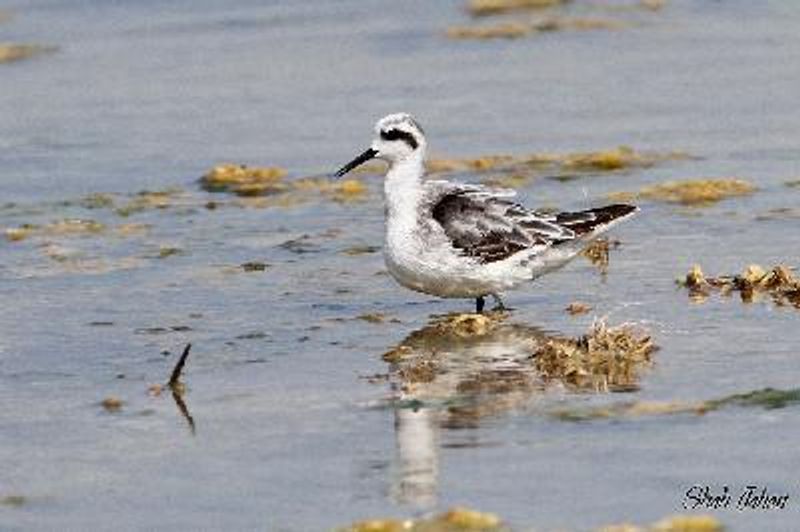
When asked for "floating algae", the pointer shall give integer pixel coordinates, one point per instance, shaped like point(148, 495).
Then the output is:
point(506, 30)
point(652, 5)
point(254, 266)
point(10, 52)
point(485, 8)
point(65, 227)
point(343, 191)
point(633, 5)
point(168, 251)
point(269, 182)
point(73, 227)
point(598, 252)
point(482, 8)
point(558, 165)
point(513, 181)
point(621, 158)
point(121, 204)
point(606, 358)
point(464, 325)
point(15, 234)
point(576, 308)
point(779, 213)
point(355, 251)
point(614, 159)
point(675, 523)
point(372, 317)
point(465, 519)
point(517, 29)
point(780, 283)
point(112, 404)
point(766, 398)
point(149, 200)
point(692, 192)
point(688, 523)
point(577, 24)
point(243, 180)
point(630, 410)
point(454, 520)
point(523, 25)
point(483, 163)
point(97, 200)
point(14, 501)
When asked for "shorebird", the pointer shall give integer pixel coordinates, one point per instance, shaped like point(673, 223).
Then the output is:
point(457, 240)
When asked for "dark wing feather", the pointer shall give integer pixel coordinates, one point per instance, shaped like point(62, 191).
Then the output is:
point(486, 225)
point(491, 228)
point(585, 222)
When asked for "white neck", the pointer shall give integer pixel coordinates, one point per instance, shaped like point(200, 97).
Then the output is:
point(403, 185)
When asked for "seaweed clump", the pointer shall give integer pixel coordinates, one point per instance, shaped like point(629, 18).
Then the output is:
point(342, 191)
point(693, 192)
point(766, 398)
point(454, 520)
point(598, 253)
point(506, 30)
point(576, 307)
point(517, 29)
point(532, 17)
point(606, 358)
point(256, 182)
point(613, 159)
point(243, 180)
point(561, 166)
point(144, 200)
point(449, 328)
point(14, 501)
point(483, 8)
point(17, 52)
point(464, 519)
point(675, 523)
point(780, 283)
point(66, 227)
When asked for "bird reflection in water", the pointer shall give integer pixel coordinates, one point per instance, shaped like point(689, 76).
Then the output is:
point(451, 374)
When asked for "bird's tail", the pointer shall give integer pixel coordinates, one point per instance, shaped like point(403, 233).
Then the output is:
point(591, 222)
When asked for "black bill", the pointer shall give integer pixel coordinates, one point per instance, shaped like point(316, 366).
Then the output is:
point(358, 161)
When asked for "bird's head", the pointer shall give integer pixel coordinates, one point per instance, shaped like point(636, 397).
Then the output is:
point(398, 138)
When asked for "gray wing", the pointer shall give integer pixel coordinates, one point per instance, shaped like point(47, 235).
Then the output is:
point(487, 225)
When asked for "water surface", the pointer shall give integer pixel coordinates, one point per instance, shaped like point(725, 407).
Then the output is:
point(289, 433)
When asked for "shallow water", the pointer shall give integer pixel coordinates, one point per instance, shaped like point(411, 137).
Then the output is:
point(290, 434)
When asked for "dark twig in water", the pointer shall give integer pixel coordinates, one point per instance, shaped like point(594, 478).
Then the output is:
point(181, 404)
point(178, 389)
point(174, 380)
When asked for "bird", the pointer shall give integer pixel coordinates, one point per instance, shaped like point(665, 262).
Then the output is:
point(458, 240)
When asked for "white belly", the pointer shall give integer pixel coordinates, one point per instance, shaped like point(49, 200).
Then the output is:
point(430, 265)
point(420, 256)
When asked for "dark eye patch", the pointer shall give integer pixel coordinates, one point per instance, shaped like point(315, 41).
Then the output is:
point(397, 134)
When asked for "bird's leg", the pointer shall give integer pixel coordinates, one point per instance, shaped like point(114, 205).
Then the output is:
point(479, 303)
point(498, 303)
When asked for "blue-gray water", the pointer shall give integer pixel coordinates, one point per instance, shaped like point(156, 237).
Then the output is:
point(150, 95)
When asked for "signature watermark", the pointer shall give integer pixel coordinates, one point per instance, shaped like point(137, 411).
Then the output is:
point(745, 498)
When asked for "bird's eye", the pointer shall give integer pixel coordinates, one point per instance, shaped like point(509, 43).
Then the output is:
point(397, 134)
